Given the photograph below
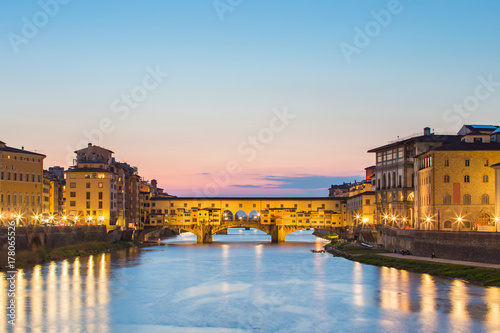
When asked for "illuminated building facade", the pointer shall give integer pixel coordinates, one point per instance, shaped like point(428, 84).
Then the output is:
point(100, 190)
point(455, 184)
point(395, 175)
point(21, 185)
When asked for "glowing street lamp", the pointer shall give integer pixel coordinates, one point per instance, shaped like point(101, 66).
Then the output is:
point(496, 223)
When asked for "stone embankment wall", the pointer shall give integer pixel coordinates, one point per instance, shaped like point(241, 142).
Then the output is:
point(28, 238)
point(457, 245)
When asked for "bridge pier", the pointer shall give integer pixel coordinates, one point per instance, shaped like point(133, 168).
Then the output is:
point(277, 234)
point(205, 235)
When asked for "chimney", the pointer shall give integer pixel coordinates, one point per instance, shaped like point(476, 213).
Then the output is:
point(427, 131)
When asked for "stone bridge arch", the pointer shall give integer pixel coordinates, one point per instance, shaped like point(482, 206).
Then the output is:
point(204, 232)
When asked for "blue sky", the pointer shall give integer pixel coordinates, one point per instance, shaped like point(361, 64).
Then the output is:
point(227, 77)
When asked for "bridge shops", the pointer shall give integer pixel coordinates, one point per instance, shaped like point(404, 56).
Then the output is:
point(276, 216)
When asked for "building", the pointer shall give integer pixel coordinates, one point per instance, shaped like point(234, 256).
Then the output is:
point(455, 184)
point(361, 207)
point(496, 167)
point(395, 175)
point(100, 190)
point(21, 185)
point(54, 187)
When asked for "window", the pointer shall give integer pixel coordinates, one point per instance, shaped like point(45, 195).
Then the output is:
point(446, 179)
point(185, 205)
point(447, 224)
point(295, 205)
point(467, 163)
point(8, 175)
point(15, 176)
point(467, 200)
point(88, 204)
point(87, 185)
point(72, 203)
point(32, 178)
point(447, 199)
point(100, 195)
point(486, 163)
point(485, 199)
point(72, 194)
point(485, 179)
point(100, 204)
point(466, 179)
point(1, 175)
point(367, 201)
point(20, 177)
point(240, 205)
point(88, 195)
point(39, 178)
point(100, 185)
point(478, 140)
point(72, 185)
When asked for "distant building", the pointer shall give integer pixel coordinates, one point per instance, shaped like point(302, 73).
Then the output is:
point(395, 175)
point(361, 207)
point(455, 184)
point(339, 191)
point(54, 187)
point(21, 185)
point(100, 190)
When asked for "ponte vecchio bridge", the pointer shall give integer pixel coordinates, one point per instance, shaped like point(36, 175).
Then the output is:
point(276, 216)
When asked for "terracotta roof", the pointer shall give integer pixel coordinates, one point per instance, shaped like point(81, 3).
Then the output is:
point(464, 146)
point(422, 138)
point(19, 151)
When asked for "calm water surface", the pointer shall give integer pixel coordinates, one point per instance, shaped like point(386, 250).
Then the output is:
point(242, 283)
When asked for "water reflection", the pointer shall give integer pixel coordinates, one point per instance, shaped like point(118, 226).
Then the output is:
point(254, 285)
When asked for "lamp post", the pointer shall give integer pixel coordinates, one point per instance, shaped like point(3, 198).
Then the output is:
point(459, 220)
point(496, 224)
point(428, 220)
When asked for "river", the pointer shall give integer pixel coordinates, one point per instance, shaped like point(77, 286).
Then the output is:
point(241, 283)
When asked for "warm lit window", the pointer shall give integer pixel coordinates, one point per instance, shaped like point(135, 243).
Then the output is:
point(72, 185)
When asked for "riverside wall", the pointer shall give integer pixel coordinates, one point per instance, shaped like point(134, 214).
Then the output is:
point(456, 245)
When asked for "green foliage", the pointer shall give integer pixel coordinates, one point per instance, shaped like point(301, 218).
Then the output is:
point(480, 275)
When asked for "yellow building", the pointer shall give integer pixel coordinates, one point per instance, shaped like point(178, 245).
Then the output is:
point(455, 185)
point(21, 185)
point(100, 190)
point(361, 207)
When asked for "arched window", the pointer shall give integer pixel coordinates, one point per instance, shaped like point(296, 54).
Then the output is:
point(447, 224)
point(467, 200)
point(466, 179)
point(485, 179)
point(446, 179)
point(485, 199)
point(384, 182)
point(447, 199)
point(394, 180)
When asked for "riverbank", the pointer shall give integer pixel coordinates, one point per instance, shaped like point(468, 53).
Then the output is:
point(473, 274)
point(43, 254)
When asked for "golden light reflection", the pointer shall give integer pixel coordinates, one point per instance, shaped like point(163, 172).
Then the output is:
point(459, 316)
point(258, 257)
point(103, 292)
point(52, 303)
point(358, 296)
point(21, 320)
point(76, 304)
point(3, 300)
point(90, 286)
point(404, 295)
point(37, 299)
point(225, 258)
point(388, 290)
point(428, 312)
point(64, 293)
point(492, 299)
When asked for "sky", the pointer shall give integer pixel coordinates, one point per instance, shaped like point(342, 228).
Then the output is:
point(243, 97)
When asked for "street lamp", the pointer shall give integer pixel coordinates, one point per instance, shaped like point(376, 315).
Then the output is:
point(428, 220)
point(496, 224)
